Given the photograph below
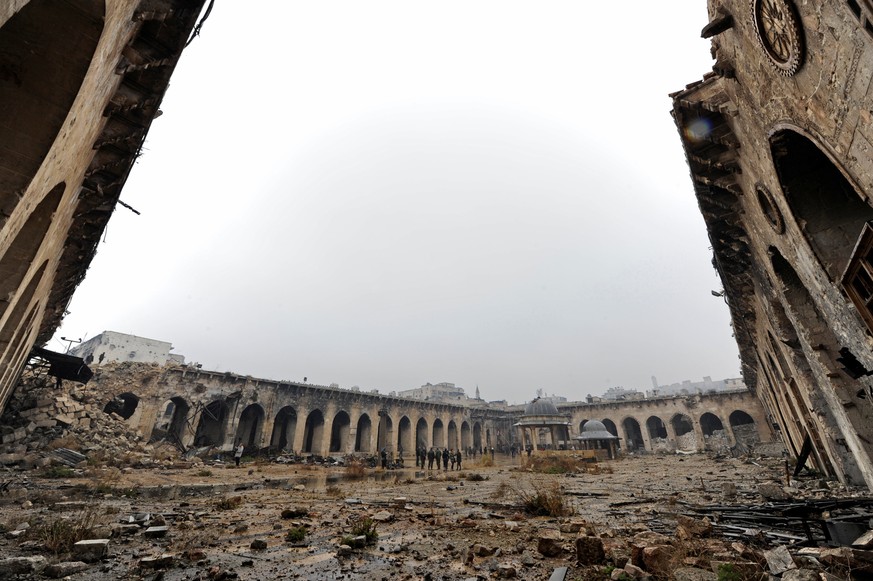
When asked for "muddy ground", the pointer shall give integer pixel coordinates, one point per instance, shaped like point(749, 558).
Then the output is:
point(224, 522)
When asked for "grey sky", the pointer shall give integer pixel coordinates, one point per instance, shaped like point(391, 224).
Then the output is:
point(385, 194)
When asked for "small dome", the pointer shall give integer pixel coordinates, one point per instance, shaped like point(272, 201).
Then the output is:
point(541, 407)
point(594, 426)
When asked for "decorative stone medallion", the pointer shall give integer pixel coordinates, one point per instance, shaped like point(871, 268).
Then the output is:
point(780, 33)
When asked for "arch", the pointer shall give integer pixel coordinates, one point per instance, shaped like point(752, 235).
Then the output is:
point(656, 427)
point(845, 405)
point(439, 436)
point(828, 209)
point(363, 434)
point(123, 405)
point(251, 423)
point(452, 433)
point(421, 439)
point(313, 432)
point(633, 435)
point(284, 427)
point(477, 435)
point(405, 443)
point(710, 423)
point(212, 426)
point(44, 40)
point(171, 421)
point(740, 418)
point(610, 427)
point(487, 437)
point(466, 435)
point(582, 425)
point(385, 435)
point(20, 254)
point(17, 355)
point(339, 432)
point(682, 424)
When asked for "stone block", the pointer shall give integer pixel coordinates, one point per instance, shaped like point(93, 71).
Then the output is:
point(91, 550)
point(159, 562)
point(22, 565)
point(156, 532)
point(693, 574)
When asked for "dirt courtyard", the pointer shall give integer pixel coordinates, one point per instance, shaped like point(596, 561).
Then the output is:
point(273, 521)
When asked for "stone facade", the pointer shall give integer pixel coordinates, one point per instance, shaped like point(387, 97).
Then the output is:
point(778, 139)
point(80, 83)
point(110, 346)
point(197, 407)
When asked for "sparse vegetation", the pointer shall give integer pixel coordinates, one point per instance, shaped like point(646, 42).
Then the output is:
point(204, 473)
point(334, 491)
point(60, 533)
point(544, 500)
point(476, 477)
point(57, 471)
point(355, 468)
point(727, 572)
point(296, 535)
point(365, 527)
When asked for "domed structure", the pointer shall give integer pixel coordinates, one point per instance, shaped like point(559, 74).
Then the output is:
point(542, 417)
point(595, 436)
point(541, 407)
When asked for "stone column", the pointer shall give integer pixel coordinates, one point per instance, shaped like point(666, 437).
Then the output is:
point(300, 429)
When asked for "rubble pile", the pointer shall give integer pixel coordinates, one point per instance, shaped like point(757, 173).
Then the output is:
point(41, 418)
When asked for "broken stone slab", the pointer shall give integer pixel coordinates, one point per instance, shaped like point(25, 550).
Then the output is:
point(657, 559)
point(258, 545)
point(156, 532)
point(68, 457)
point(506, 571)
point(801, 575)
point(691, 528)
point(633, 571)
point(383, 516)
point(353, 501)
point(125, 529)
point(158, 562)
point(21, 565)
point(773, 491)
point(91, 550)
point(865, 541)
point(779, 560)
point(343, 551)
point(550, 543)
point(64, 569)
point(480, 550)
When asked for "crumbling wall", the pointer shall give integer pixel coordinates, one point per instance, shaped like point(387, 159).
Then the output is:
point(717, 442)
point(687, 441)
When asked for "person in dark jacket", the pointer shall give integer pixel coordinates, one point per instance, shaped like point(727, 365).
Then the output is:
point(458, 459)
point(445, 459)
point(430, 457)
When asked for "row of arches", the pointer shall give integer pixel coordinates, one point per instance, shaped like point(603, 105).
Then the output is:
point(641, 435)
point(311, 433)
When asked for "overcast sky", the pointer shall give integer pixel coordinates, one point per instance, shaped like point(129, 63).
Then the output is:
point(385, 194)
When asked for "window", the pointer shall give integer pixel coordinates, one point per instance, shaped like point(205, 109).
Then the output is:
point(858, 279)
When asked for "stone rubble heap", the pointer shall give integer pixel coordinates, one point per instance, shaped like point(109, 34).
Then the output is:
point(40, 418)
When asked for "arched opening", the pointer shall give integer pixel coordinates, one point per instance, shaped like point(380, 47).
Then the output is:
point(284, 427)
point(477, 436)
point(582, 425)
point(212, 425)
point(845, 400)
point(17, 354)
point(405, 444)
point(421, 433)
point(171, 421)
point(466, 435)
point(710, 423)
point(251, 422)
point(656, 428)
point(45, 40)
point(385, 436)
point(452, 435)
point(825, 205)
point(439, 435)
point(123, 405)
point(610, 427)
point(682, 424)
point(339, 432)
point(313, 432)
point(744, 428)
point(363, 434)
point(633, 435)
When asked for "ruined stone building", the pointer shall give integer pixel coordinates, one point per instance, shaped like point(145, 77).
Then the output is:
point(80, 83)
point(111, 346)
point(778, 139)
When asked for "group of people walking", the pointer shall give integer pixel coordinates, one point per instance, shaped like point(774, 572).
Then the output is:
point(435, 455)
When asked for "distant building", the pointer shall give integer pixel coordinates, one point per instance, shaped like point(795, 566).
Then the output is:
point(444, 391)
point(620, 393)
point(110, 346)
point(689, 387)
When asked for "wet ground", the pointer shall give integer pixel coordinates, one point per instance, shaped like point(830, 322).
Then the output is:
point(225, 522)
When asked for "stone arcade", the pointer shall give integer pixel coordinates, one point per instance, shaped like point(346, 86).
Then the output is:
point(196, 407)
